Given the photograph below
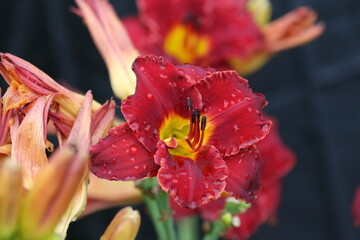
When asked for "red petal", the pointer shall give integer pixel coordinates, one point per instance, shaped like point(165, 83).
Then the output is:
point(227, 43)
point(355, 208)
point(277, 158)
point(160, 16)
point(138, 32)
point(244, 174)
point(120, 156)
point(179, 211)
point(234, 110)
point(195, 72)
point(192, 182)
point(262, 209)
point(161, 89)
point(212, 211)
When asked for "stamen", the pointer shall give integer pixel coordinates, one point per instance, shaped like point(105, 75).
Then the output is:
point(196, 131)
point(203, 125)
point(194, 123)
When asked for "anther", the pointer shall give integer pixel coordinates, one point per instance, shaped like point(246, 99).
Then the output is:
point(203, 123)
point(195, 115)
point(188, 103)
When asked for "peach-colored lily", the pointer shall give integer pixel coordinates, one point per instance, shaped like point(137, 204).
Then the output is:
point(114, 44)
point(124, 226)
point(27, 83)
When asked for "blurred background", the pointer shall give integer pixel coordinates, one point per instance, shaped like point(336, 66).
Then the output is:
point(314, 91)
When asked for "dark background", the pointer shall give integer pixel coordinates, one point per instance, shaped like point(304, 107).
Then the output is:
point(314, 91)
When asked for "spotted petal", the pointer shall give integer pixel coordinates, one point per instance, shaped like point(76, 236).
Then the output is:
point(120, 156)
point(161, 89)
point(234, 110)
point(192, 183)
point(244, 174)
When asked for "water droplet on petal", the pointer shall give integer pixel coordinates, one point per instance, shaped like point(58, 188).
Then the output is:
point(133, 150)
point(147, 128)
point(226, 104)
point(136, 167)
point(149, 96)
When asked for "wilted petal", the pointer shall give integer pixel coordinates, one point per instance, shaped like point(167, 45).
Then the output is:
point(11, 192)
point(192, 182)
point(124, 226)
point(28, 141)
point(234, 111)
point(102, 120)
point(53, 191)
point(113, 43)
point(120, 156)
point(244, 174)
point(80, 132)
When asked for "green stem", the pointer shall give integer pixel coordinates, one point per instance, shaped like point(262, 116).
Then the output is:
point(188, 228)
point(157, 203)
point(217, 228)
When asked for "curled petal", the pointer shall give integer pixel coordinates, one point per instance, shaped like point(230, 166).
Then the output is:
point(355, 208)
point(113, 42)
point(192, 182)
point(161, 90)
point(234, 110)
point(124, 226)
point(244, 174)
point(46, 203)
point(120, 156)
point(294, 29)
point(80, 132)
point(28, 143)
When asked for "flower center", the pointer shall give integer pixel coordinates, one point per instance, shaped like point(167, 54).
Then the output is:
point(185, 44)
point(185, 136)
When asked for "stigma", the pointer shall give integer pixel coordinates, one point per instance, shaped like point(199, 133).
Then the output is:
point(196, 133)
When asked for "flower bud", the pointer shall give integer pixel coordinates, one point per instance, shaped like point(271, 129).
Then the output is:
point(124, 226)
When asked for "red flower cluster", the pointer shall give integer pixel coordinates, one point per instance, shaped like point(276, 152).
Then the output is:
point(193, 128)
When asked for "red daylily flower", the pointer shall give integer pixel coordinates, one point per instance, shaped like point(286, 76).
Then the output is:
point(224, 34)
point(193, 128)
point(355, 208)
point(278, 160)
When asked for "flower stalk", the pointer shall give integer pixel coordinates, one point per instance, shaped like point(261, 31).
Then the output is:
point(188, 228)
point(157, 203)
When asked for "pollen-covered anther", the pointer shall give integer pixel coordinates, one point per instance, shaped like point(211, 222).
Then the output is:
point(195, 137)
